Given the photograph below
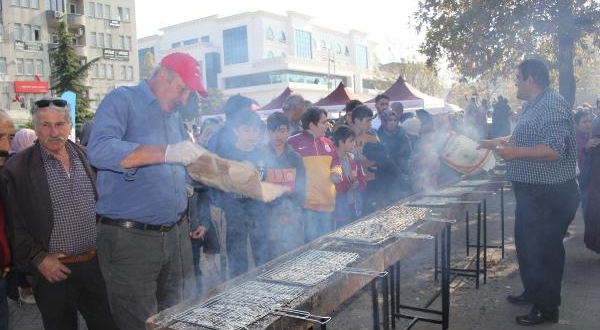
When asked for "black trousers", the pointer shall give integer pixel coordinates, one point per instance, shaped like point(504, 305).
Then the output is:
point(82, 291)
point(542, 216)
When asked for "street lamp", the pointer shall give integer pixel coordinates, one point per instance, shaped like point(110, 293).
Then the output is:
point(330, 59)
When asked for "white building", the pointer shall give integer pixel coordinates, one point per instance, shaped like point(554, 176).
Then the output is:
point(258, 54)
point(28, 33)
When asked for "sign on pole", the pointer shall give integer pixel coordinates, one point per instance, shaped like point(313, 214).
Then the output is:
point(71, 99)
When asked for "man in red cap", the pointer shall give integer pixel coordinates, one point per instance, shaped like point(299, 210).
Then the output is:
point(140, 148)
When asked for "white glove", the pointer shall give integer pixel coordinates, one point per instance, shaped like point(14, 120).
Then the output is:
point(184, 152)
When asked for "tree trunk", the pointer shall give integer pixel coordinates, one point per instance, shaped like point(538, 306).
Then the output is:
point(567, 35)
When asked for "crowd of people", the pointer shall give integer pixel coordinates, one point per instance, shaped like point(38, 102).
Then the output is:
point(115, 229)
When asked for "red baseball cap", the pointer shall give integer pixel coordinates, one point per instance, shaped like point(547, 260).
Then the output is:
point(187, 68)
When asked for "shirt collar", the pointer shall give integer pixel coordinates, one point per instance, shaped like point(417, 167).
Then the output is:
point(46, 155)
point(531, 104)
point(147, 95)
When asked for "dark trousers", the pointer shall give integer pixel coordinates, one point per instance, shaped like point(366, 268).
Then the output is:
point(3, 304)
point(245, 221)
point(145, 271)
point(542, 216)
point(82, 291)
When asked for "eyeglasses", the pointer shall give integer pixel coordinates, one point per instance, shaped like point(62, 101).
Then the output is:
point(55, 102)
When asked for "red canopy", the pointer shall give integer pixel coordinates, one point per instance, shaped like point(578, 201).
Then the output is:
point(338, 97)
point(399, 91)
point(277, 103)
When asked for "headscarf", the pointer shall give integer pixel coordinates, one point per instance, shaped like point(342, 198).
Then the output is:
point(24, 138)
point(385, 116)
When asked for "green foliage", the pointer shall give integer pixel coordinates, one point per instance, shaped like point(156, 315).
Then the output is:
point(418, 74)
point(213, 102)
point(491, 36)
point(68, 73)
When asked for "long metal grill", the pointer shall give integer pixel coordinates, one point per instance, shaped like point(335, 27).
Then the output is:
point(310, 268)
point(381, 226)
point(432, 201)
point(452, 191)
point(239, 306)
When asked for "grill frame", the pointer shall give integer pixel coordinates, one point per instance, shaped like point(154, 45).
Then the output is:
point(303, 269)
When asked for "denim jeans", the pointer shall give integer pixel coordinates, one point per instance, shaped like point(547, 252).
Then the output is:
point(317, 224)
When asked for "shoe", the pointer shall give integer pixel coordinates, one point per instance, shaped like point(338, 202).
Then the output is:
point(537, 316)
point(518, 300)
point(26, 296)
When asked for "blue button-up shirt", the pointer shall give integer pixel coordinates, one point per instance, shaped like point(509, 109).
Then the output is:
point(548, 121)
point(127, 118)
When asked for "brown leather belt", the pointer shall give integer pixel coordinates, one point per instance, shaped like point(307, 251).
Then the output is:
point(74, 258)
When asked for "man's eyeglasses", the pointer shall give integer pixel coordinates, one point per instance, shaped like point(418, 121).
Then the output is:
point(46, 103)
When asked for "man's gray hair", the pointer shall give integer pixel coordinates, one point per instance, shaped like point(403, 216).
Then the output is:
point(66, 109)
point(291, 102)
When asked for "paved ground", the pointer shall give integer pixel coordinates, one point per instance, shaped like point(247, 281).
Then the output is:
point(471, 309)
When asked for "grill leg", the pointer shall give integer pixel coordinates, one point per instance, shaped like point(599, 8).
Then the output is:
point(435, 257)
point(502, 217)
point(484, 241)
point(386, 305)
point(392, 279)
point(446, 276)
point(467, 227)
point(477, 257)
point(375, 304)
point(398, 287)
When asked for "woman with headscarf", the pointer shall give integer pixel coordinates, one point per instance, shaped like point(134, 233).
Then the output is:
point(398, 147)
point(23, 139)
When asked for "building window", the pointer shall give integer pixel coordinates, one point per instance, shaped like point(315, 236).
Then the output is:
point(176, 45)
point(108, 40)
point(126, 17)
point(235, 45)
point(35, 4)
point(2, 65)
point(129, 73)
point(101, 71)
point(127, 43)
point(27, 32)
point(323, 44)
point(100, 40)
point(92, 9)
point(37, 33)
point(107, 11)
point(270, 54)
point(20, 67)
point(25, 3)
point(99, 10)
point(205, 39)
point(109, 71)
point(123, 14)
point(39, 67)
point(72, 8)
point(16, 2)
point(93, 42)
point(270, 34)
point(346, 51)
point(338, 49)
point(18, 31)
point(29, 67)
point(122, 42)
point(362, 59)
point(282, 38)
point(190, 41)
point(1, 32)
point(122, 72)
point(303, 44)
point(54, 38)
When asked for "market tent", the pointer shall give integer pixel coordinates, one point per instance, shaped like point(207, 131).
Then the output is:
point(337, 99)
point(277, 103)
point(412, 98)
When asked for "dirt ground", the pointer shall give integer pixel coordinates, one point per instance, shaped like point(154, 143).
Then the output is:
point(486, 307)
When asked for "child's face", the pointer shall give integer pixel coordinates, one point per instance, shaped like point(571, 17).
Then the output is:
point(279, 137)
point(585, 124)
point(347, 145)
point(247, 137)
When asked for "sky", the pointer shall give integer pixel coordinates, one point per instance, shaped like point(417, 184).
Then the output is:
point(385, 25)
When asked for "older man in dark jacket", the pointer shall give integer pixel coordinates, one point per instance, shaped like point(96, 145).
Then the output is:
point(50, 198)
